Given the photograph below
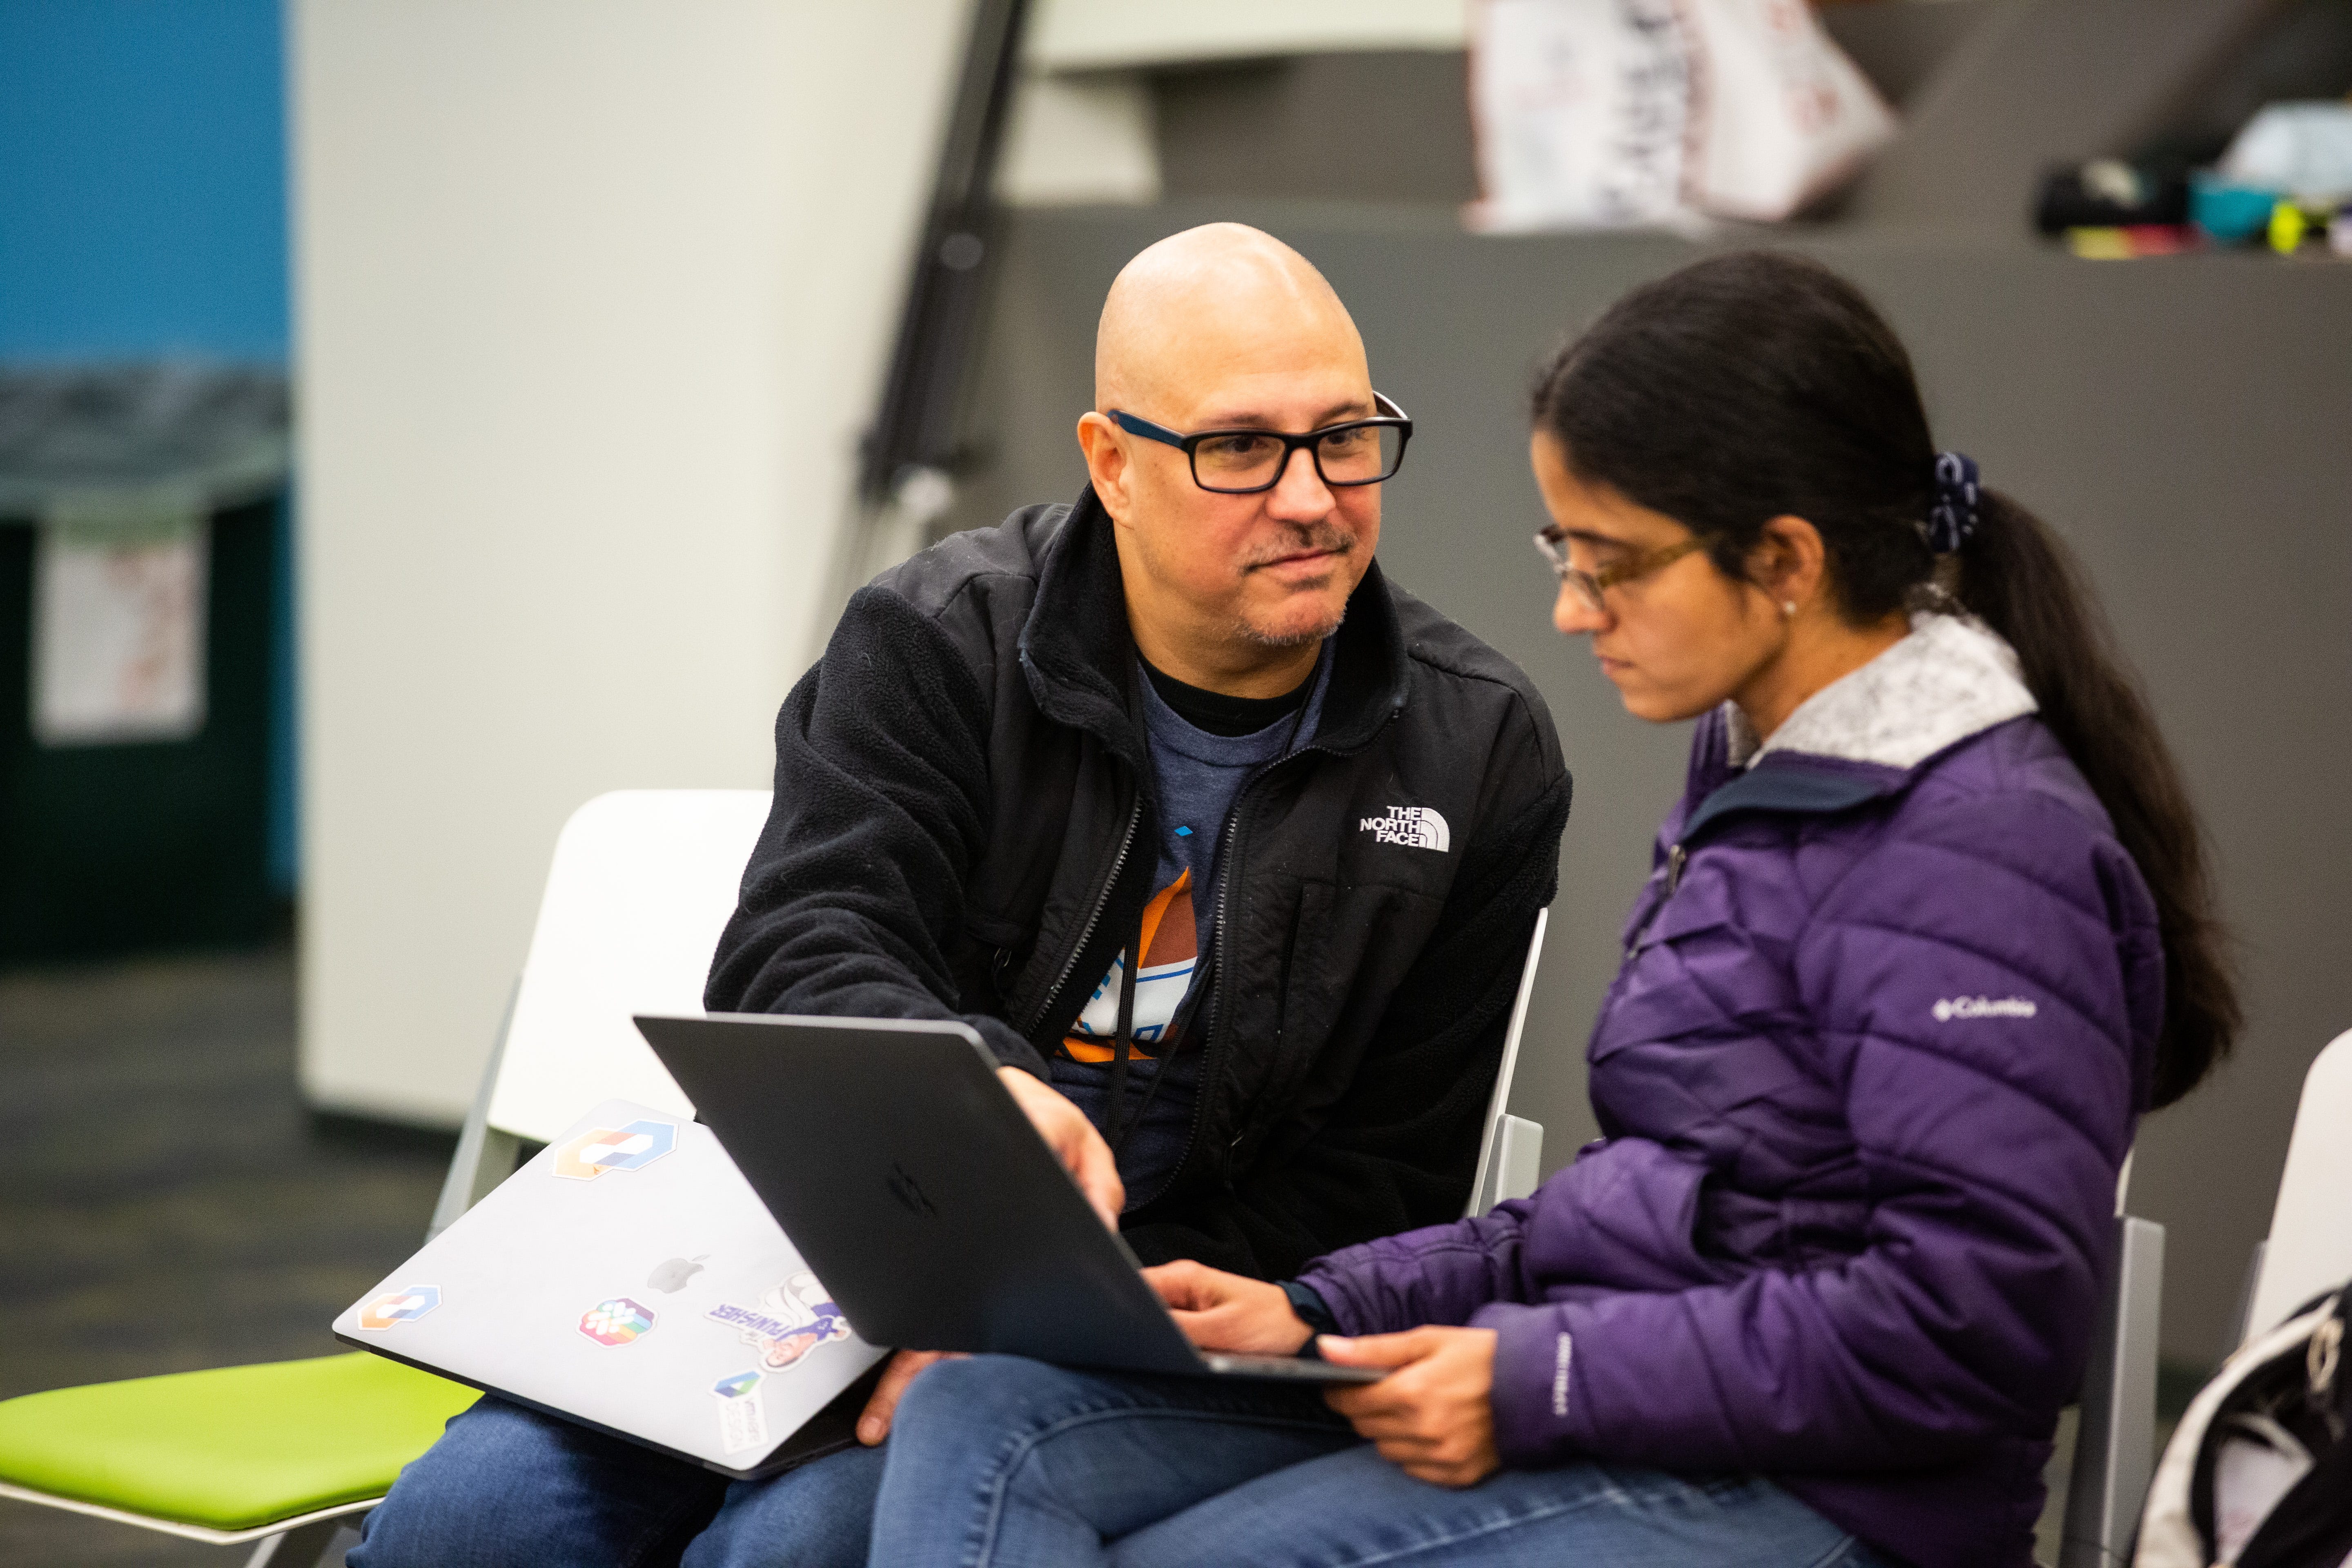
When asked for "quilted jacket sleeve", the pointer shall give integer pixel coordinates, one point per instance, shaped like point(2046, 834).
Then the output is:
point(880, 812)
point(1440, 1274)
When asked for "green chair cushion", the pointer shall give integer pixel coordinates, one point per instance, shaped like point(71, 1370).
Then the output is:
point(233, 1448)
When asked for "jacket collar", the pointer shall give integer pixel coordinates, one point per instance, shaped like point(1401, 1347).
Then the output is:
point(1952, 677)
point(1866, 735)
point(1077, 651)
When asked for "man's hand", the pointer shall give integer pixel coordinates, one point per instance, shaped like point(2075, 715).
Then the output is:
point(1222, 1311)
point(874, 1421)
point(1075, 1143)
point(1433, 1417)
point(1073, 1140)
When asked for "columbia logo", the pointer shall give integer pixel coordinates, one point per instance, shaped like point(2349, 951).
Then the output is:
point(1415, 827)
point(1952, 1007)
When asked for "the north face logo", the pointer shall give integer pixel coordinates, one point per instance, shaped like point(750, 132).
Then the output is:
point(1415, 827)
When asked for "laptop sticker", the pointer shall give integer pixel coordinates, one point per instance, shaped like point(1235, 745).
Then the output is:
point(618, 1322)
point(742, 1424)
point(404, 1305)
point(792, 1319)
point(591, 1154)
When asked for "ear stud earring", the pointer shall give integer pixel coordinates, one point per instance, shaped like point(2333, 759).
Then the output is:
point(1789, 607)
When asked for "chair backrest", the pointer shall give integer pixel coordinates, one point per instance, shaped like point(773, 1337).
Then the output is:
point(642, 883)
point(2310, 1245)
point(1510, 1153)
point(2114, 1439)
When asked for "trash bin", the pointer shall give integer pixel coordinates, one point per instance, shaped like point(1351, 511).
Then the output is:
point(142, 546)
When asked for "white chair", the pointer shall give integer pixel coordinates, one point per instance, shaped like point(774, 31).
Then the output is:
point(1510, 1153)
point(2309, 1248)
point(2115, 1436)
point(640, 885)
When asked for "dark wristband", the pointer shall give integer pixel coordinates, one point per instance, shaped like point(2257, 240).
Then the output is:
point(1312, 1311)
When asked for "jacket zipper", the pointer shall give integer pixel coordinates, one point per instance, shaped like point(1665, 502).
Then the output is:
point(1676, 858)
point(1229, 857)
point(1094, 916)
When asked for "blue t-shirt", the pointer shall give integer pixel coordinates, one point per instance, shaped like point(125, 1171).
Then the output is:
point(1198, 774)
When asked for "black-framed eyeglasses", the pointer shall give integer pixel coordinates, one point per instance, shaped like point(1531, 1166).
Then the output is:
point(1552, 542)
point(1243, 462)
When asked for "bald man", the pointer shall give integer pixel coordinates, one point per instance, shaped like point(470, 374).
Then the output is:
point(1228, 847)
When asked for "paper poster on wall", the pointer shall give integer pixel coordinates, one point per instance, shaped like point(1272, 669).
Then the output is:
point(118, 634)
point(1661, 114)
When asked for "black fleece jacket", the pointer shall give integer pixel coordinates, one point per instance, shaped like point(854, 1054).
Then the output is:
point(962, 827)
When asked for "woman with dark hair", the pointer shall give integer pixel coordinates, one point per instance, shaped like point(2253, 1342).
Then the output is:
point(1927, 930)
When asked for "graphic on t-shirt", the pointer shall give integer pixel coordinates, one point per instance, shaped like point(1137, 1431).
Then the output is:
point(1171, 944)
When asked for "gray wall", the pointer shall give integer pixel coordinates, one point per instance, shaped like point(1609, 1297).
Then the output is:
point(2186, 424)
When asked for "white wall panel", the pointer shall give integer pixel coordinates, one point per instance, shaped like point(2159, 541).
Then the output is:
point(592, 298)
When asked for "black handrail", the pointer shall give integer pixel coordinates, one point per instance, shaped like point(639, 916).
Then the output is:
point(915, 426)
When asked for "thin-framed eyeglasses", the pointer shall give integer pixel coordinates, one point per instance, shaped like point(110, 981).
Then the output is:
point(1243, 462)
point(1551, 542)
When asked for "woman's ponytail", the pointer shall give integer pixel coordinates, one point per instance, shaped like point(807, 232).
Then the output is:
point(2017, 576)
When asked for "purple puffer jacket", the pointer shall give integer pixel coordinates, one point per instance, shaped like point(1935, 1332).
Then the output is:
point(1868, 1075)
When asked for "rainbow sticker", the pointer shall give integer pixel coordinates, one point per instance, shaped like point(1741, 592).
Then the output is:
point(618, 1322)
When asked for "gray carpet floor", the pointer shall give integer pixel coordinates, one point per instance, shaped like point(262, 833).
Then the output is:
point(169, 1204)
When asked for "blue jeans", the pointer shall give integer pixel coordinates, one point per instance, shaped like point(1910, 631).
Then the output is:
point(998, 1462)
point(506, 1487)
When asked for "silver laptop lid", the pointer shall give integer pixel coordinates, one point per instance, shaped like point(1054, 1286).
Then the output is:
point(627, 1275)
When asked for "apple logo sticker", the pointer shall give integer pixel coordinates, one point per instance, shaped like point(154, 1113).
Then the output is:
point(670, 1278)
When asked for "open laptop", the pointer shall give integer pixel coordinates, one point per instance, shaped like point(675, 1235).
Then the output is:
point(911, 1180)
point(627, 1279)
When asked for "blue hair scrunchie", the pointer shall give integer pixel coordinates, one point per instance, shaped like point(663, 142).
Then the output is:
point(1953, 518)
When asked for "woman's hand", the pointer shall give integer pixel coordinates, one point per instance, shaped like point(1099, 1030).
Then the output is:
point(1073, 1140)
point(1221, 1311)
point(1433, 1417)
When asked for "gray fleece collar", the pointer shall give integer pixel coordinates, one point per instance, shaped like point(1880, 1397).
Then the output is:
point(1952, 677)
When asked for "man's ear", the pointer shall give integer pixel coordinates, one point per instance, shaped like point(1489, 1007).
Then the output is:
point(1106, 464)
point(1790, 563)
